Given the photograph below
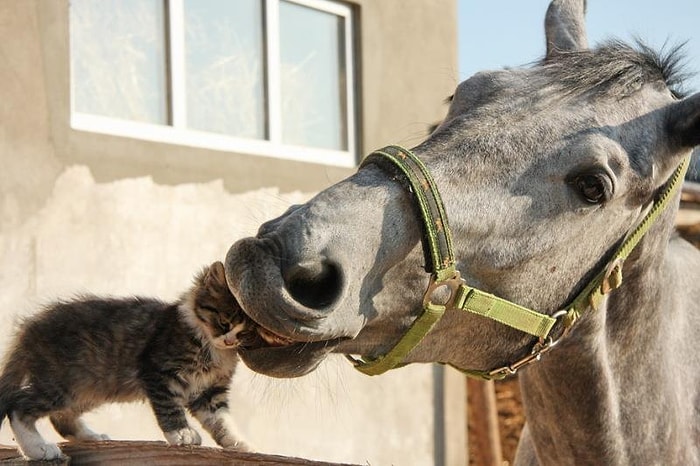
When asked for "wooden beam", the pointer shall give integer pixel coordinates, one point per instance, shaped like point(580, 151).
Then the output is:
point(138, 453)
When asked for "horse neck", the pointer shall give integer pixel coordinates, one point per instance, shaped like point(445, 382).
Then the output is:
point(577, 398)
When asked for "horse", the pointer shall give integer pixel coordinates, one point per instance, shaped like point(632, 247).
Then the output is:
point(544, 173)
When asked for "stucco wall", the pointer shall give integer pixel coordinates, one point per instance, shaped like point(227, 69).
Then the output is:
point(29, 165)
point(409, 68)
point(91, 213)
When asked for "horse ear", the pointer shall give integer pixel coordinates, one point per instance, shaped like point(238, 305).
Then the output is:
point(565, 26)
point(683, 122)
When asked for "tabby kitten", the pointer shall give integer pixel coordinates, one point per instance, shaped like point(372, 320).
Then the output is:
point(77, 355)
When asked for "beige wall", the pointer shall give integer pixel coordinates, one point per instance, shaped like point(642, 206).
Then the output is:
point(83, 212)
point(409, 68)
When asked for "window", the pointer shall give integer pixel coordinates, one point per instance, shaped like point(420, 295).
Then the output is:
point(269, 77)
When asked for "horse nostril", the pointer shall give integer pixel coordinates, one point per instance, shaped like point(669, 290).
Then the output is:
point(315, 285)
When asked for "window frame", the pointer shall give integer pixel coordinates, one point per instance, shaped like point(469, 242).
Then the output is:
point(176, 131)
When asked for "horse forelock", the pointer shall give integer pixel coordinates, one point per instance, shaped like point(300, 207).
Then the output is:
point(613, 70)
point(617, 69)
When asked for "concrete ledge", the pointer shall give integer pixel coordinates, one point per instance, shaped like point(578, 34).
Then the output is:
point(138, 453)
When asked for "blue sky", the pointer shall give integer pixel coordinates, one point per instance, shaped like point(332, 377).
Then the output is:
point(498, 33)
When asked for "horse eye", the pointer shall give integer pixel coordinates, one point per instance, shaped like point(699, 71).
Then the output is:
point(594, 188)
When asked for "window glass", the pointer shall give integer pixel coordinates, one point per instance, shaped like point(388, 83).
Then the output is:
point(225, 67)
point(268, 77)
point(312, 76)
point(118, 59)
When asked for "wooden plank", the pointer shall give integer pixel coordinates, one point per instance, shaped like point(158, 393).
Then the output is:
point(455, 406)
point(138, 453)
point(691, 192)
point(485, 440)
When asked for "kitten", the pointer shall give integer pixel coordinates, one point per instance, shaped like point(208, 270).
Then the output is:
point(77, 355)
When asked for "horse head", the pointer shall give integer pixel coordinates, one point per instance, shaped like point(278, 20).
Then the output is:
point(543, 171)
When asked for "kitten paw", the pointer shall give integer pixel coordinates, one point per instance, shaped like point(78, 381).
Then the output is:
point(92, 436)
point(46, 451)
point(184, 436)
point(87, 434)
point(238, 445)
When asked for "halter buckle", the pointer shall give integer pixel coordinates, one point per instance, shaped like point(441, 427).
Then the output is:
point(613, 277)
point(542, 346)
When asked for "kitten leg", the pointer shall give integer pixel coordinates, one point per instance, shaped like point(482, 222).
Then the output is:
point(222, 429)
point(72, 427)
point(211, 410)
point(31, 443)
point(31, 402)
point(171, 417)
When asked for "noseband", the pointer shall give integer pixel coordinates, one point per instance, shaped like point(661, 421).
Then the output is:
point(444, 277)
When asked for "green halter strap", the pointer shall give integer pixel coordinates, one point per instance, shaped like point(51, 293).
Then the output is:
point(440, 263)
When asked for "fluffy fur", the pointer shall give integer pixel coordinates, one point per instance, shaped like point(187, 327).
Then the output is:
point(77, 355)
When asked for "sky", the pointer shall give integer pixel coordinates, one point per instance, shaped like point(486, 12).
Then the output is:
point(498, 33)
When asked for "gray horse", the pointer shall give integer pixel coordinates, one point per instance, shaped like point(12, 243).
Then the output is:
point(543, 172)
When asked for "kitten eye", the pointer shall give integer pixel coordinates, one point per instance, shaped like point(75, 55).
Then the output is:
point(224, 323)
point(207, 308)
point(594, 188)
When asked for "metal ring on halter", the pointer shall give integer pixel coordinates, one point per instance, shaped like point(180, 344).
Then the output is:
point(451, 284)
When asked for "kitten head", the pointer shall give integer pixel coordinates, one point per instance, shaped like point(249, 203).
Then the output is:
point(214, 312)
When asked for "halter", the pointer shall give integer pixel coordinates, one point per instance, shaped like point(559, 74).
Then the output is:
point(440, 263)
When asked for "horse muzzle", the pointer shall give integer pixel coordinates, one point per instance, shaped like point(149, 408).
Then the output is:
point(291, 297)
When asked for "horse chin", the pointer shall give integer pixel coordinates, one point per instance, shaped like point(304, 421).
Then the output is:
point(288, 361)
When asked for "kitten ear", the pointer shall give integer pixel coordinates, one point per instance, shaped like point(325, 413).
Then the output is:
point(216, 274)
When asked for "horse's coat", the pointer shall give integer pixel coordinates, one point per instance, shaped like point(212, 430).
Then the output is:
point(543, 171)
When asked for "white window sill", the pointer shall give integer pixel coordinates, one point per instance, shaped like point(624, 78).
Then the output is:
point(201, 139)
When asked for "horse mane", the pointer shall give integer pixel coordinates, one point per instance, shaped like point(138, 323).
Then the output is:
point(617, 69)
